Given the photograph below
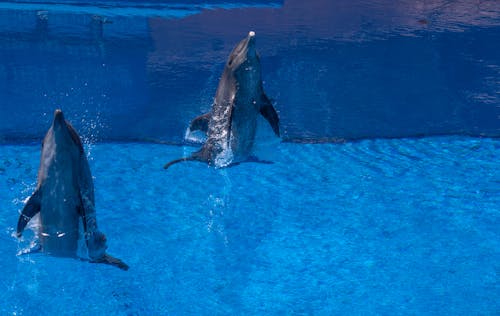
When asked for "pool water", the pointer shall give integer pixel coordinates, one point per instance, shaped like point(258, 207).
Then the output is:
point(364, 210)
point(387, 226)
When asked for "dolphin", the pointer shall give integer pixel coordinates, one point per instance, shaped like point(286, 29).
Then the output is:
point(231, 124)
point(65, 194)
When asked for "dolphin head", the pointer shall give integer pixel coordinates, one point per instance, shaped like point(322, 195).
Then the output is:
point(62, 137)
point(64, 132)
point(61, 148)
point(59, 125)
point(244, 62)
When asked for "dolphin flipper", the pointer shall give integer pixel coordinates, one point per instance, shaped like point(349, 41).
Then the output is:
point(200, 123)
point(257, 160)
point(269, 113)
point(108, 259)
point(31, 208)
point(167, 165)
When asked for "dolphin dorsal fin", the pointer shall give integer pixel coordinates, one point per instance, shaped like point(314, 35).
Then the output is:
point(269, 113)
point(31, 208)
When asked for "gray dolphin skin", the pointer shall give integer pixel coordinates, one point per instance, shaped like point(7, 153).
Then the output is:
point(232, 122)
point(64, 195)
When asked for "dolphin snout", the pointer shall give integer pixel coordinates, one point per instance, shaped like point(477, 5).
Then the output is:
point(251, 38)
point(251, 43)
point(58, 117)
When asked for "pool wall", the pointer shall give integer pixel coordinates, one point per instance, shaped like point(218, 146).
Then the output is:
point(124, 71)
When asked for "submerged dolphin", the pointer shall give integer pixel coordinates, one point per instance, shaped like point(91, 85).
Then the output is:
point(64, 194)
point(232, 122)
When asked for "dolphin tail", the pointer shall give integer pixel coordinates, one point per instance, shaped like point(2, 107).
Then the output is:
point(31, 208)
point(173, 162)
point(269, 113)
point(108, 259)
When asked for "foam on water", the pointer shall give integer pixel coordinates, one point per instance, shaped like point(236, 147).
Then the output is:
point(373, 227)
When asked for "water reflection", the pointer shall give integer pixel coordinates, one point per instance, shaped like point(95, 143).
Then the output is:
point(336, 69)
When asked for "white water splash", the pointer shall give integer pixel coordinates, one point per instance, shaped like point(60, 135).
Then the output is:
point(90, 133)
point(219, 203)
point(198, 137)
point(225, 158)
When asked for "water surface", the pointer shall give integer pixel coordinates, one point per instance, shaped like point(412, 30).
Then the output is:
point(404, 226)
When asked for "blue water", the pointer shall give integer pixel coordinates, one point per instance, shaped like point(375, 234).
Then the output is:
point(368, 207)
point(389, 227)
point(350, 69)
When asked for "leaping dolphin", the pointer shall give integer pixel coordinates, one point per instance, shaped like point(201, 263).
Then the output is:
point(232, 122)
point(64, 195)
